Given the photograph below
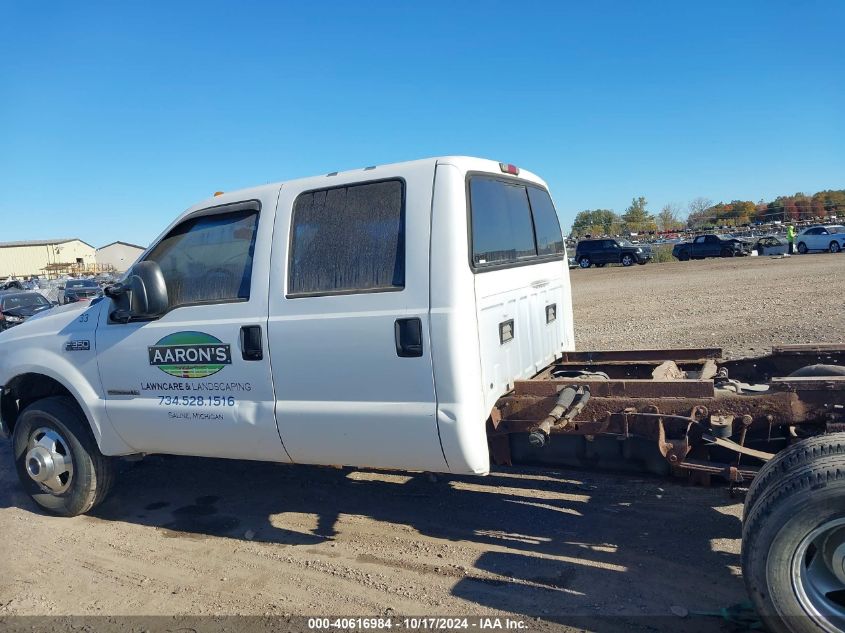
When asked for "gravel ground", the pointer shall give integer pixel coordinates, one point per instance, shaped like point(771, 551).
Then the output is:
point(743, 305)
point(574, 549)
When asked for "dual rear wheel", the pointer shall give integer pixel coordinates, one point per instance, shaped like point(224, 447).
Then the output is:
point(793, 538)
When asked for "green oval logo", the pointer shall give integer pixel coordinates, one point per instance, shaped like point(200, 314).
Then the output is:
point(190, 354)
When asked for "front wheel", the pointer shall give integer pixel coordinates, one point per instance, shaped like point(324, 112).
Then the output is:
point(834, 247)
point(584, 262)
point(793, 550)
point(683, 256)
point(57, 459)
point(802, 248)
point(627, 260)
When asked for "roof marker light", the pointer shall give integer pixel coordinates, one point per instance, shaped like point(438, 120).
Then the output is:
point(218, 193)
point(509, 169)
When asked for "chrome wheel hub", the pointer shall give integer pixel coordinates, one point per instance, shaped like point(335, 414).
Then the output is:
point(818, 574)
point(48, 461)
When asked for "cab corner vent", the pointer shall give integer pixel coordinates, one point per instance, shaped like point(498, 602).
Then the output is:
point(506, 331)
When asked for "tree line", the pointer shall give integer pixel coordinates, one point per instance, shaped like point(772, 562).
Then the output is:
point(702, 213)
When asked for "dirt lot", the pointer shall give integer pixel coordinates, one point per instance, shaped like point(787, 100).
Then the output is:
point(604, 552)
point(743, 305)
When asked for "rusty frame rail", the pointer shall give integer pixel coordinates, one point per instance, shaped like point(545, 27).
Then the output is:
point(700, 418)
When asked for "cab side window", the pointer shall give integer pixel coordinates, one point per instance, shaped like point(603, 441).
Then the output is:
point(348, 239)
point(208, 259)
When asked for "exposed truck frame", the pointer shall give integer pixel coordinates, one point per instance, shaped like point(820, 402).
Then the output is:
point(703, 415)
point(773, 425)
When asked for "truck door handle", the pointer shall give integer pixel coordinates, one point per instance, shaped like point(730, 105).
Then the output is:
point(251, 347)
point(408, 334)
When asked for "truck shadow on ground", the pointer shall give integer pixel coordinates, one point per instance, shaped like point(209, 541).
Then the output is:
point(561, 545)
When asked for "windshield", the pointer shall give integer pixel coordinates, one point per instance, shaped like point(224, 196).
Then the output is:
point(23, 301)
point(624, 243)
point(836, 229)
point(81, 283)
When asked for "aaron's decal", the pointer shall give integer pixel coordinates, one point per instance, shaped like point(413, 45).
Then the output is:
point(190, 354)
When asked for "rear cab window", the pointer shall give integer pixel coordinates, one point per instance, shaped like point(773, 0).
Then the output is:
point(513, 222)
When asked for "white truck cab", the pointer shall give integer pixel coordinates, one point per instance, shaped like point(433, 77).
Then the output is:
point(371, 317)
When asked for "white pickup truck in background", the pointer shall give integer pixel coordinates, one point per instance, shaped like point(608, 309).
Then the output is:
point(365, 318)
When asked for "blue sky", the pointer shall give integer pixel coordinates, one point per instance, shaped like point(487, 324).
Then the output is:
point(116, 116)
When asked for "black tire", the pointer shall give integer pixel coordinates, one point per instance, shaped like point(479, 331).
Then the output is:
point(92, 473)
point(727, 252)
point(802, 248)
point(834, 247)
point(627, 260)
point(683, 256)
point(796, 456)
point(775, 557)
point(585, 262)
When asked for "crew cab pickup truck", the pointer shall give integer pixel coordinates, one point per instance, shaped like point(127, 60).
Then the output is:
point(711, 246)
point(366, 318)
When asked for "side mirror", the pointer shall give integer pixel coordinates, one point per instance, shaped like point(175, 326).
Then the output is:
point(142, 295)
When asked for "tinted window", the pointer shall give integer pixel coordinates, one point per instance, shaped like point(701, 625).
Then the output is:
point(24, 301)
point(546, 224)
point(80, 283)
point(208, 259)
point(348, 239)
point(502, 230)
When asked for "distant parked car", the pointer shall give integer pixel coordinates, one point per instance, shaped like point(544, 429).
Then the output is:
point(771, 245)
point(711, 246)
point(600, 252)
point(79, 290)
point(17, 307)
point(821, 238)
point(12, 284)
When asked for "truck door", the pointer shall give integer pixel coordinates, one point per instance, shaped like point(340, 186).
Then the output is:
point(197, 380)
point(349, 320)
point(713, 245)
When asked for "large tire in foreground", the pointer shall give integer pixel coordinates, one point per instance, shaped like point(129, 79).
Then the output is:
point(796, 456)
point(793, 549)
point(57, 459)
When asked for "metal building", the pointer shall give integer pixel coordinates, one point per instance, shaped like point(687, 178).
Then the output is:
point(118, 255)
point(46, 258)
